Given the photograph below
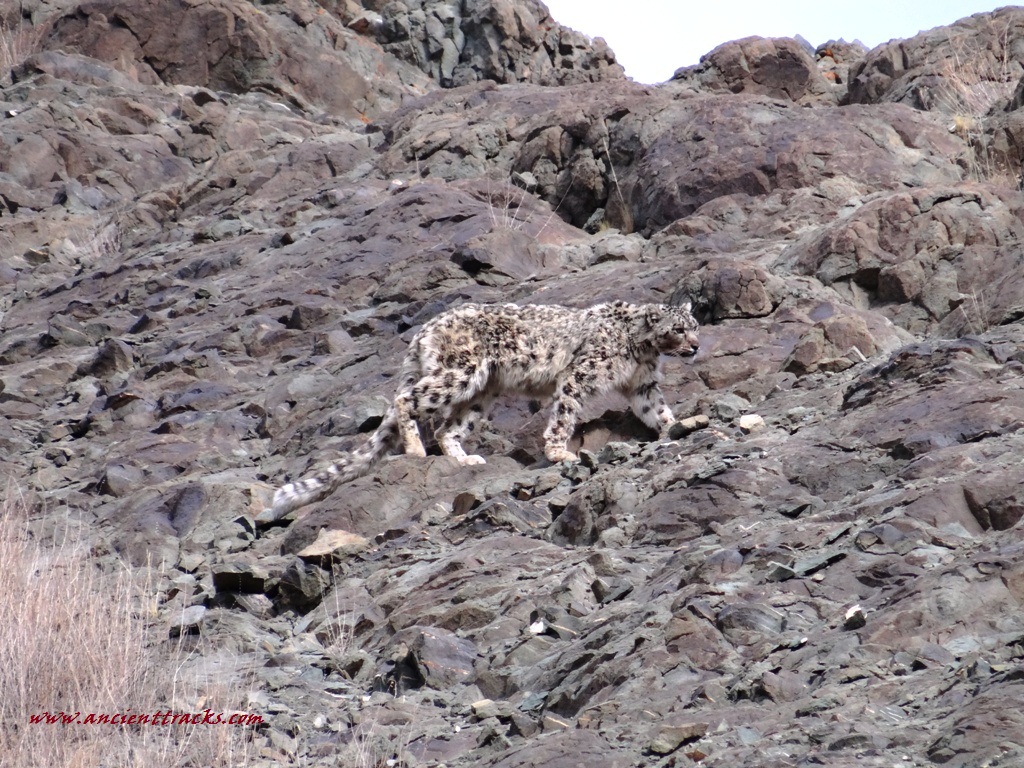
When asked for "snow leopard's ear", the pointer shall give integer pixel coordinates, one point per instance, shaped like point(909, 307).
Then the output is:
point(693, 303)
point(681, 299)
point(653, 314)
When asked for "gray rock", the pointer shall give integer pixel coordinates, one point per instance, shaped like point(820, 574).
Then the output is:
point(928, 72)
point(455, 43)
point(241, 577)
point(188, 621)
point(442, 659)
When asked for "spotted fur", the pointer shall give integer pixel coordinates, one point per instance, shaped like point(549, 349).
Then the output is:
point(464, 358)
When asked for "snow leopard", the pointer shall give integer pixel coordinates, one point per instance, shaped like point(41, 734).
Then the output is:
point(463, 358)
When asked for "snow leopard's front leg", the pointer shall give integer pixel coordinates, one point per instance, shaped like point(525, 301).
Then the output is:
point(561, 425)
point(648, 401)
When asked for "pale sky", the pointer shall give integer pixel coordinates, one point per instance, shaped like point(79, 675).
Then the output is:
point(653, 38)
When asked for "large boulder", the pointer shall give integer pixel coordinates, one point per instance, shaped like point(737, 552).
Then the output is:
point(781, 68)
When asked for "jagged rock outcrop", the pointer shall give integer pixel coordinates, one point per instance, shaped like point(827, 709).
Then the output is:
point(836, 57)
point(621, 150)
point(945, 260)
point(966, 68)
point(458, 43)
point(970, 73)
point(780, 68)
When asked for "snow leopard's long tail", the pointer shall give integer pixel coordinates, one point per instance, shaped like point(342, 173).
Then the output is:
point(345, 468)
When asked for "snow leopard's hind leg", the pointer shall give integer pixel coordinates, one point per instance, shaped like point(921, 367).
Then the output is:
point(462, 422)
point(405, 407)
point(448, 394)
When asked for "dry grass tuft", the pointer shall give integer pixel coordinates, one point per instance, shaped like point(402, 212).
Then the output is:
point(17, 43)
point(971, 89)
point(504, 207)
point(74, 639)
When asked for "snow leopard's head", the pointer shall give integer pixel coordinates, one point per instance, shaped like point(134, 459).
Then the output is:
point(673, 329)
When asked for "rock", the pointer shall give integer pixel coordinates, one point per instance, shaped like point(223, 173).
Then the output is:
point(608, 589)
point(835, 58)
point(189, 621)
point(808, 353)
point(775, 67)
point(854, 618)
point(553, 723)
point(462, 48)
point(730, 290)
point(329, 544)
point(995, 501)
point(744, 621)
point(486, 708)
point(441, 658)
point(730, 406)
point(615, 453)
point(119, 479)
point(929, 72)
point(894, 248)
point(611, 247)
point(367, 22)
point(977, 96)
point(241, 577)
point(683, 427)
point(113, 357)
point(302, 585)
point(670, 737)
point(562, 749)
point(156, 41)
point(507, 252)
point(751, 422)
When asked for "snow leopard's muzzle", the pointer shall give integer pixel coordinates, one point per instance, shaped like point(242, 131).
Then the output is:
point(683, 345)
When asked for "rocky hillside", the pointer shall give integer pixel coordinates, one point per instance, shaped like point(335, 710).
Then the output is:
point(222, 220)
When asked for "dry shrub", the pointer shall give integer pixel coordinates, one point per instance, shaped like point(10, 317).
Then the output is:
point(971, 88)
point(74, 639)
point(18, 42)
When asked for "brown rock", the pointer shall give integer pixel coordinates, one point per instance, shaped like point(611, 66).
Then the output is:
point(929, 247)
point(808, 353)
point(995, 500)
point(241, 49)
point(934, 70)
point(113, 357)
point(779, 67)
